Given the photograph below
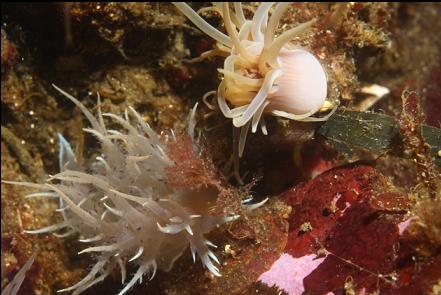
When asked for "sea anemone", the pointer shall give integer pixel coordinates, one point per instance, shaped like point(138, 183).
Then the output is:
point(263, 74)
point(123, 204)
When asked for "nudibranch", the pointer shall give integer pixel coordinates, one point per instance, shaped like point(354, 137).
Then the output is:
point(263, 74)
point(127, 204)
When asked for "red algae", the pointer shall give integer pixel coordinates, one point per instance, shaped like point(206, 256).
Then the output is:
point(356, 238)
point(191, 169)
point(321, 202)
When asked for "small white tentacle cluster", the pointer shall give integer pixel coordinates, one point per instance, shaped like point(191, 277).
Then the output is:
point(262, 74)
point(123, 206)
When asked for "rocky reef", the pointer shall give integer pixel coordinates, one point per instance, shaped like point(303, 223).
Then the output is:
point(353, 202)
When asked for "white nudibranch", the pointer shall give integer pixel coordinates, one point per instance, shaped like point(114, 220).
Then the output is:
point(123, 206)
point(262, 74)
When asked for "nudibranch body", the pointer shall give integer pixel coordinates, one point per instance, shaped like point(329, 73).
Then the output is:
point(263, 74)
point(131, 205)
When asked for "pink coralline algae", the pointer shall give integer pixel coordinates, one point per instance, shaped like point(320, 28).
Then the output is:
point(288, 272)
